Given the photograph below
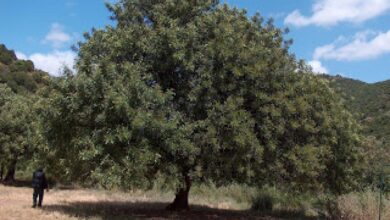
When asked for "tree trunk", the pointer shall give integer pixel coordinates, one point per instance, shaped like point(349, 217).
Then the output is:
point(1, 171)
point(10, 176)
point(181, 199)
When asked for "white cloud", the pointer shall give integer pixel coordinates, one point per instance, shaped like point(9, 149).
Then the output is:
point(364, 45)
point(332, 12)
point(57, 37)
point(52, 62)
point(317, 66)
point(21, 56)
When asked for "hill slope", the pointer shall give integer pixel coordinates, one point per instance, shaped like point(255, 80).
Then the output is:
point(20, 75)
point(369, 102)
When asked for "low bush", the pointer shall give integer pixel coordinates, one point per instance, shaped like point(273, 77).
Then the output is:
point(277, 202)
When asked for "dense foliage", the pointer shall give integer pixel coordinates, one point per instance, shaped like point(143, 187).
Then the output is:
point(6, 56)
point(194, 91)
point(190, 91)
point(15, 131)
point(109, 127)
point(19, 83)
point(370, 104)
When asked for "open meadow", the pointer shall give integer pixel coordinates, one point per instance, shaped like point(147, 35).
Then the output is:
point(207, 202)
point(61, 204)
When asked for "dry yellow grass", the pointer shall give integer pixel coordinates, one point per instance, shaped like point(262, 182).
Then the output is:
point(15, 204)
point(360, 206)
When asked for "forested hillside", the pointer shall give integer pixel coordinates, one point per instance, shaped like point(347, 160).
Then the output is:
point(369, 102)
point(20, 75)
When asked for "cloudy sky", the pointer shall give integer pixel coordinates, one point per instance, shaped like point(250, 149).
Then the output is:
point(346, 37)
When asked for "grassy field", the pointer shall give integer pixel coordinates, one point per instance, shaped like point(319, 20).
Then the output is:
point(207, 202)
point(15, 204)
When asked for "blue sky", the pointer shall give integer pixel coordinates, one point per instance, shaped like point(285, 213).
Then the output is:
point(346, 37)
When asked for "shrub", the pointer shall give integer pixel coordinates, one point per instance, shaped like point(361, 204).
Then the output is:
point(284, 203)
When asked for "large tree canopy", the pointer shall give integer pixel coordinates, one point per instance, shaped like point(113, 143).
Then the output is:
point(111, 128)
point(195, 90)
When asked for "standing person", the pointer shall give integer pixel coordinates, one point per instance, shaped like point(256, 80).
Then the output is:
point(39, 184)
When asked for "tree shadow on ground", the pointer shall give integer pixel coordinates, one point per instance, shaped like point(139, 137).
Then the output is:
point(23, 183)
point(110, 210)
point(17, 183)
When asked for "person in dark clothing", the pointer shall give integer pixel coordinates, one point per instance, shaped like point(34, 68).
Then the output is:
point(39, 184)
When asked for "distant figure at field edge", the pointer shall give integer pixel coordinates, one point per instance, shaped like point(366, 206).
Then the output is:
point(39, 184)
